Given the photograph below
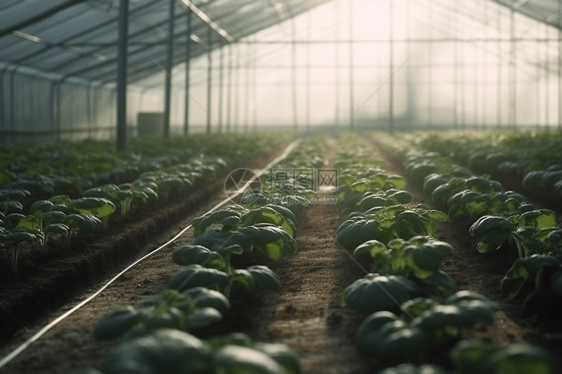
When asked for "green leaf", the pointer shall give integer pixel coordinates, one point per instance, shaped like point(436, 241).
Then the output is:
point(411, 369)
point(382, 334)
point(271, 240)
point(373, 248)
point(212, 239)
point(520, 359)
point(203, 317)
point(195, 254)
point(242, 360)
point(375, 293)
point(284, 356)
point(203, 297)
point(471, 356)
point(264, 277)
point(357, 231)
point(93, 205)
point(116, 323)
point(61, 199)
point(162, 351)
point(426, 258)
point(198, 276)
point(524, 268)
point(492, 241)
point(58, 228)
point(442, 281)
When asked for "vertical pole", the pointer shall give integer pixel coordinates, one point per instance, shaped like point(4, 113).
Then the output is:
point(337, 63)
point(221, 84)
point(547, 79)
point(456, 73)
point(538, 86)
point(391, 70)
point(89, 108)
point(429, 68)
point(255, 88)
point(498, 106)
point(294, 73)
point(209, 78)
point(308, 73)
point(351, 88)
point(229, 93)
point(247, 86)
point(187, 73)
point(169, 60)
point(122, 75)
point(237, 86)
point(560, 65)
point(475, 84)
point(512, 78)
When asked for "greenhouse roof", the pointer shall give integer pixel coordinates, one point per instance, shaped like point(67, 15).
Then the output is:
point(78, 38)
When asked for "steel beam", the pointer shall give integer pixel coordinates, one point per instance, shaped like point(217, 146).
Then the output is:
point(121, 76)
point(169, 61)
point(209, 80)
point(391, 83)
point(39, 17)
point(187, 73)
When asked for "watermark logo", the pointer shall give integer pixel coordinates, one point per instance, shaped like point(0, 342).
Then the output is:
point(284, 186)
point(242, 179)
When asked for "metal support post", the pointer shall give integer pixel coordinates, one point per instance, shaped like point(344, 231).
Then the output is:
point(391, 69)
point(229, 92)
point(308, 62)
point(187, 73)
point(294, 74)
point(169, 58)
point(337, 63)
point(122, 51)
point(221, 84)
point(499, 99)
point(247, 89)
point(351, 89)
point(209, 78)
point(513, 76)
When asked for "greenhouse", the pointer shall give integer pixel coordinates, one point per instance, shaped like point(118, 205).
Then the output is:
point(280, 186)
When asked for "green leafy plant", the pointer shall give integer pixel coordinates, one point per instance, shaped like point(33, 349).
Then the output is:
point(420, 257)
point(191, 309)
point(175, 352)
point(426, 323)
point(375, 292)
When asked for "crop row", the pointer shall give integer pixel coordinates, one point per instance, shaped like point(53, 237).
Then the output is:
point(530, 157)
point(59, 214)
point(503, 217)
point(406, 259)
point(155, 336)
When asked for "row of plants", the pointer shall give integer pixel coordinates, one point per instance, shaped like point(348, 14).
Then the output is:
point(502, 218)
point(62, 215)
point(156, 336)
point(406, 260)
point(530, 157)
point(28, 174)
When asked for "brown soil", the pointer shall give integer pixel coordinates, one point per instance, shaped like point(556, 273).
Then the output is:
point(521, 320)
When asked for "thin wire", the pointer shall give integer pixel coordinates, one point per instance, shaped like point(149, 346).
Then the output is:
point(35, 337)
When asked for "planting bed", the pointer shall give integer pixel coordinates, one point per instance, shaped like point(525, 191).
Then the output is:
point(306, 313)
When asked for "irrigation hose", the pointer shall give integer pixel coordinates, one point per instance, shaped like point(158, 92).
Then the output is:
point(44, 330)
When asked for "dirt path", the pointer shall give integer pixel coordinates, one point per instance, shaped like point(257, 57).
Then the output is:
point(483, 273)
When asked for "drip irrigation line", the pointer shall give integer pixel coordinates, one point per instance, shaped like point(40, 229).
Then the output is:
point(42, 332)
